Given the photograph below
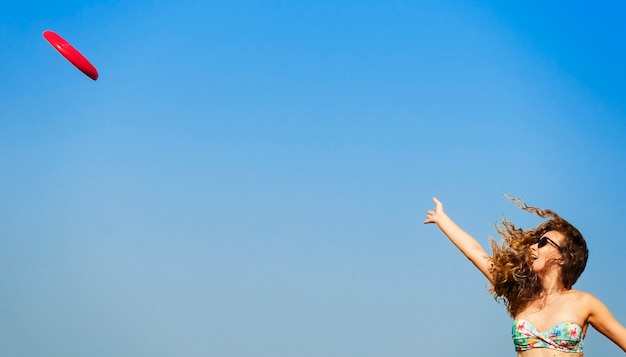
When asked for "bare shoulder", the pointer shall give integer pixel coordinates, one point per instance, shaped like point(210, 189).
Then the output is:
point(587, 303)
point(582, 299)
point(585, 297)
point(581, 296)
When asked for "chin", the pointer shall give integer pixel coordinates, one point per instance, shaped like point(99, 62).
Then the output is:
point(534, 267)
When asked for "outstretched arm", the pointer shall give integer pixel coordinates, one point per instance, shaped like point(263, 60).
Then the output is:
point(465, 242)
point(602, 320)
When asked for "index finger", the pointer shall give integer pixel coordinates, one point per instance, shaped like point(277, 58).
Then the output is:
point(437, 203)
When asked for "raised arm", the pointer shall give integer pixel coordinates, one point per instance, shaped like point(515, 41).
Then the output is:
point(602, 320)
point(461, 239)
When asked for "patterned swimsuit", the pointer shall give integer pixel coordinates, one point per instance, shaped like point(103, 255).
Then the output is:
point(564, 337)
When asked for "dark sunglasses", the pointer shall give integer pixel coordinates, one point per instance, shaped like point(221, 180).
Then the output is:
point(544, 240)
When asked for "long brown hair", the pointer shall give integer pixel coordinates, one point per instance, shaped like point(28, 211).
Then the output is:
point(513, 280)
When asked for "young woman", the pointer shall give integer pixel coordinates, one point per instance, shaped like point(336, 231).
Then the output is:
point(532, 271)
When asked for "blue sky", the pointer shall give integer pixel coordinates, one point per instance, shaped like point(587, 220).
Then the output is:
point(251, 178)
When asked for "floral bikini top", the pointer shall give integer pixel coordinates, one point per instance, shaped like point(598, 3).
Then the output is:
point(564, 337)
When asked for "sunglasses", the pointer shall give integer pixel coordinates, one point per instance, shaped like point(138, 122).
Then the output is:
point(544, 240)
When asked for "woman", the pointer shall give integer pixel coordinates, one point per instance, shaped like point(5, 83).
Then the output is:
point(532, 272)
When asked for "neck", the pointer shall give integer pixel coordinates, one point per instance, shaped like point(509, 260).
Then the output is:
point(551, 283)
point(547, 292)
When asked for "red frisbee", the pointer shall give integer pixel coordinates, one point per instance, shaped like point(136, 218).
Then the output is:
point(71, 54)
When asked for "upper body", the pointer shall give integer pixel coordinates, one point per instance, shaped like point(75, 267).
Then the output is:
point(553, 320)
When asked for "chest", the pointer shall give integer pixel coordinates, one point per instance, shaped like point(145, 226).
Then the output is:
point(544, 314)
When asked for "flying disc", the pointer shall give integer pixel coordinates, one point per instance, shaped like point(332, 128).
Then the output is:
point(71, 54)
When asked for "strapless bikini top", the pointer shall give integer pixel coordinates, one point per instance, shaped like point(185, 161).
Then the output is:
point(565, 337)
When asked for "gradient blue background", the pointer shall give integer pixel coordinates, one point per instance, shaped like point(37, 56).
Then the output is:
point(250, 178)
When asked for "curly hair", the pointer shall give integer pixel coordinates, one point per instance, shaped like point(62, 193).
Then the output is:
point(513, 280)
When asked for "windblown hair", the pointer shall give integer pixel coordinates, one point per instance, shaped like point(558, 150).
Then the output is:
point(513, 280)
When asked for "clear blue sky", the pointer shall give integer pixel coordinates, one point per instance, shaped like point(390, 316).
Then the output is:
point(250, 178)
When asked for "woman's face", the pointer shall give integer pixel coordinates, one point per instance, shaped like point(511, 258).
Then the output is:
point(546, 251)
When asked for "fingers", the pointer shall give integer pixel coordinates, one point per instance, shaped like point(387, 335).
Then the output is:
point(431, 216)
point(437, 203)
